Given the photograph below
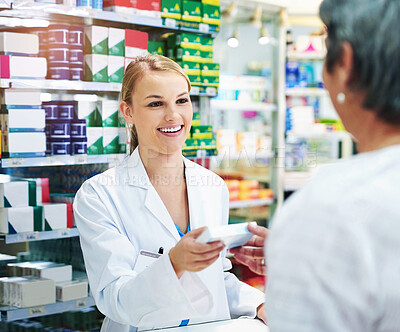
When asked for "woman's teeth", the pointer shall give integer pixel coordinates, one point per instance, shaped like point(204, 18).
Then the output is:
point(170, 130)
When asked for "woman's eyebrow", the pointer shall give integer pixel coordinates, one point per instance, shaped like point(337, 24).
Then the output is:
point(154, 96)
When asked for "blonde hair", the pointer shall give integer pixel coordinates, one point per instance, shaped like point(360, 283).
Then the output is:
point(135, 71)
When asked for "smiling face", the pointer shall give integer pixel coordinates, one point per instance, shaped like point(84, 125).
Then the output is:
point(161, 111)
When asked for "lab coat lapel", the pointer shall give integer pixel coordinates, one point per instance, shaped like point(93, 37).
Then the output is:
point(194, 191)
point(138, 177)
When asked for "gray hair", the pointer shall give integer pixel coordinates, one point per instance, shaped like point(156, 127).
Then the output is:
point(372, 29)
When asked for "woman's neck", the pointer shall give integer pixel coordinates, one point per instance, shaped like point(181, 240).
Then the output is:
point(162, 168)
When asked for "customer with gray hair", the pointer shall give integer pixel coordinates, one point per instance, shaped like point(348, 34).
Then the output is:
point(333, 251)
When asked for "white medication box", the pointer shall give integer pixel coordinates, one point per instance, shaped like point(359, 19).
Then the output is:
point(19, 43)
point(14, 145)
point(71, 290)
point(116, 67)
point(53, 271)
point(15, 98)
point(96, 40)
point(116, 42)
point(233, 235)
point(32, 292)
point(17, 193)
point(22, 67)
point(96, 68)
point(21, 219)
point(55, 216)
point(5, 288)
point(23, 120)
point(95, 140)
point(109, 113)
point(110, 140)
point(89, 111)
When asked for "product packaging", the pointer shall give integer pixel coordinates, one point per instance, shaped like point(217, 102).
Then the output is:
point(156, 47)
point(21, 219)
point(95, 140)
point(191, 11)
point(116, 66)
point(32, 292)
point(96, 68)
point(110, 140)
point(109, 112)
point(171, 9)
point(211, 14)
point(71, 290)
point(89, 111)
point(55, 216)
point(17, 193)
point(136, 43)
point(14, 144)
point(15, 98)
point(12, 66)
point(19, 43)
point(116, 42)
point(96, 40)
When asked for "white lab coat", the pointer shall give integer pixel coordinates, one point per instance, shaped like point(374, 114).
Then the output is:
point(119, 213)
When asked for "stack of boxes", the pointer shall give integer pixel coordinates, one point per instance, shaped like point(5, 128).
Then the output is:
point(64, 132)
point(106, 131)
point(247, 190)
point(22, 120)
point(109, 50)
point(149, 8)
point(20, 212)
point(192, 13)
point(194, 53)
point(201, 141)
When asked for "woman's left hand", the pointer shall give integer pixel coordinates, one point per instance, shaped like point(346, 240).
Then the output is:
point(261, 314)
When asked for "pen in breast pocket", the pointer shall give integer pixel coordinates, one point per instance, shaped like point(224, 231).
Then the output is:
point(161, 250)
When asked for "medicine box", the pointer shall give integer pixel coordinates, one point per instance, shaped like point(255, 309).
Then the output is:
point(109, 112)
point(120, 6)
point(71, 290)
point(191, 68)
point(22, 120)
point(212, 81)
point(156, 47)
point(55, 216)
point(96, 40)
point(19, 43)
point(122, 137)
point(202, 132)
point(116, 67)
point(95, 140)
point(21, 219)
point(89, 111)
point(32, 292)
point(206, 44)
point(110, 140)
point(53, 271)
point(210, 69)
point(96, 68)
point(18, 194)
point(116, 42)
point(5, 289)
point(14, 98)
point(211, 2)
point(136, 43)
point(12, 66)
point(42, 189)
point(184, 40)
point(211, 14)
point(149, 7)
point(14, 144)
point(191, 11)
point(171, 9)
point(187, 54)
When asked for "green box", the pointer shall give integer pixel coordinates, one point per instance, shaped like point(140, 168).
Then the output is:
point(96, 68)
point(200, 132)
point(96, 40)
point(156, 47)
point(211, 2)
point(191, 68)
point(196, 119)
point(207, 144)
point(210, 69)
point(195, 79)
point(171, 9)
point(184, 40)
point(211, 81)
point(207, 44)
point(116, 42)
point(188, 54)
point(191, 11)
point(207, 56)
point(211, 14)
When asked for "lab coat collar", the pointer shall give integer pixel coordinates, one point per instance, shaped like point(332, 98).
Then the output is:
point(137, 176)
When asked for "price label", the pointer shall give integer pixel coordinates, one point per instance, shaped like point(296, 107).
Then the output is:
point(34, 236)
point(203, 27)
point(16, 162)
point(64, 233)
point(195, 90)
point(81, 159)
point(211, 91)
point(36, 311)
point(169, 22)
point(81, 303)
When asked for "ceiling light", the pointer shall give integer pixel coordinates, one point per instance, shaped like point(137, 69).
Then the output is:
point(234, 40)
point(256, 17)
point(230, 11)
point(264, 38)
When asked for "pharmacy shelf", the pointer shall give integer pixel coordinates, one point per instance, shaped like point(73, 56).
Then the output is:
point(309, 56)
point(306, 92)
point(235, 105)
point(39, 236)
point(88, 16)
point(65, 85)
point(9, 314)
point(322, 135)
point(62, 160)
point(251, 203)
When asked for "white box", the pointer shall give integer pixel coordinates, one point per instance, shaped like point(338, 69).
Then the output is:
point(116, 42)
point(96, 40)
point(27, 98)
point(233, 235)
point(21, 219)
point(110, 140)
point(14, 194)
point(71, 290)
point(19, 43)
point(33, 291)
point(116, 67)
point(24, 120)
point(96, 68)
point(5, 289)
point(27, 67)
point(15, 145)
point(133, 52)
point(53, 271)
point(95, 140)
point(55, 216)
point(110, 113)
point(90, 111)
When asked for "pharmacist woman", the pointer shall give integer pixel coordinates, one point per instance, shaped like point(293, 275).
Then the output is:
point(148, 205)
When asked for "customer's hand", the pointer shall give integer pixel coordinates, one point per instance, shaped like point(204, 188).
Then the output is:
point(189, 255)
point(251, 253)
point(261, 314)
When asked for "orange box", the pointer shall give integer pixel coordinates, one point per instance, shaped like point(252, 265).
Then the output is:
point(266, 193)
point(248, 184)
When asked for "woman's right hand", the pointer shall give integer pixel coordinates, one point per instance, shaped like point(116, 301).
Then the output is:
point(193, 256)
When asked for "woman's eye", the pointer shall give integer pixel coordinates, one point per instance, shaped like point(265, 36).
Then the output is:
point(182, 101)
point(155, 104)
